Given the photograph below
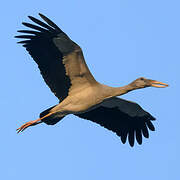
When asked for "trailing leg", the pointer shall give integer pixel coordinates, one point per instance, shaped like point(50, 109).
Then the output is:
point(32, 123)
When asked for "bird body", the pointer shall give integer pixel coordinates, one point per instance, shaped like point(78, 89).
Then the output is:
point(87, 98)
point(65, 71)
point(80, 101)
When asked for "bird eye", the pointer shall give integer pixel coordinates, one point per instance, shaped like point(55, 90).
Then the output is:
point(142, 79)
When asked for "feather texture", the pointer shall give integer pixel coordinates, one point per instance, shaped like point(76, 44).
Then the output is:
point(127, 119)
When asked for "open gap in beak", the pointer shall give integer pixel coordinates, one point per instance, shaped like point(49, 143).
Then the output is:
point(158, 84)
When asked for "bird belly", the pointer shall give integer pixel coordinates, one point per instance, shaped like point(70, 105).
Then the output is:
point(79, 102)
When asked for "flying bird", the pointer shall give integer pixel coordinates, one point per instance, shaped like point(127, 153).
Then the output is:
point(63, 67)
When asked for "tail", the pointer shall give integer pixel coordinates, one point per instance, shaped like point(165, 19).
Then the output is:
point(52, 119)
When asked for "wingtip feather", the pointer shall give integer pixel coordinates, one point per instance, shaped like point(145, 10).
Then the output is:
point(150, 125)
point(145, 131)
point(153, 118)
point(51, 23)
point(139, 136)
point(131, 138)
point(124, 137)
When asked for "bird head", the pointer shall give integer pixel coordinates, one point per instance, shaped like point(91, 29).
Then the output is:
point(143, 82)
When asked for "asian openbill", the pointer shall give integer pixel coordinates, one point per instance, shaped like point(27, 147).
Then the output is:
point(64, 69)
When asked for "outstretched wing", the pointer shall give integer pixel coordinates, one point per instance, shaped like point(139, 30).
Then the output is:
point(125, 118)
point(59, 59)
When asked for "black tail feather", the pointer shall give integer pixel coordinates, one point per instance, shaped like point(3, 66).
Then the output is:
point(52, 119)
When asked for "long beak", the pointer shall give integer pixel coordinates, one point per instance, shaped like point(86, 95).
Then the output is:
point(158, 84)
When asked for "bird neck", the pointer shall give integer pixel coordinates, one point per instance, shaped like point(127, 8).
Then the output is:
point(118, 91)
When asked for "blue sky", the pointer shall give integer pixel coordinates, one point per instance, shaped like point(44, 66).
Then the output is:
point(121, 41)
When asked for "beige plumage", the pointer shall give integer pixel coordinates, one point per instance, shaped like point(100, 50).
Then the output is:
point(64, 69)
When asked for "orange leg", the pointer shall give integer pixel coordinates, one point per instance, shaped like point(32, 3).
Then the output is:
point(31, 123)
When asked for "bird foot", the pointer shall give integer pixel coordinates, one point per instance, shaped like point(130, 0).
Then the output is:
point(28, 124)
point(32, 123)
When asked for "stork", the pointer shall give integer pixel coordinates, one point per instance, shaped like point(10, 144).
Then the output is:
point(63, 67)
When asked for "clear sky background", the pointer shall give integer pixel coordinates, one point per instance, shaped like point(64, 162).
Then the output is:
point(122, 40)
